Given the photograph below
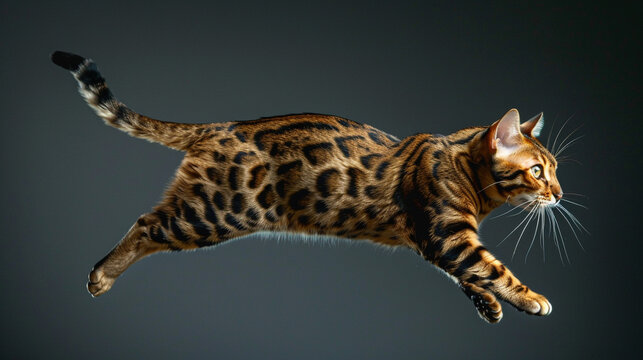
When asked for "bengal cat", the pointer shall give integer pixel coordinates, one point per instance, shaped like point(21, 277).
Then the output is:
point(322, 174)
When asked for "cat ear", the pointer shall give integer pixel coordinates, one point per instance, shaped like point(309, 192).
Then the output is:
point(505, 133)
point(533, 126)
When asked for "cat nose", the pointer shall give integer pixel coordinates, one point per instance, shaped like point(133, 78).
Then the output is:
point(559, 195)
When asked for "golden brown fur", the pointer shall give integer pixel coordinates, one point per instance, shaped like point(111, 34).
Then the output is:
point(321, 174)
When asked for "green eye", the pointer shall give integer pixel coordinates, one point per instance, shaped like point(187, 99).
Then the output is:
point(537, 171)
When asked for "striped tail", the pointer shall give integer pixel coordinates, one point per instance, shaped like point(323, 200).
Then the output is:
point(93, 88)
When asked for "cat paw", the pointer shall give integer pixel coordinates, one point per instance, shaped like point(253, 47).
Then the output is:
point(485, 302)
point(532, 303)
point(488, 307)
point(99, 283)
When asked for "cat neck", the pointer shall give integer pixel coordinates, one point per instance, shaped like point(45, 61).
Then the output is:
point(479, 160)
point(469, 153)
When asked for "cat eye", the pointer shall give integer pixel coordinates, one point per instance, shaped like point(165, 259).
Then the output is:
point(537, 171)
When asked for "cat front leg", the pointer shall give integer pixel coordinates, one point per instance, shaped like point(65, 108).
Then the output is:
point(482, 277)
point(485, 302)
point(502, 282)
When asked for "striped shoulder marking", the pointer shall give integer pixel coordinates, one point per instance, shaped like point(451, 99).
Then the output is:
point(465, 139)
point(473, 258)
point(443, 231)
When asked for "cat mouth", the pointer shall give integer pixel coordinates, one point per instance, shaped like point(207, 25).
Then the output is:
point(542, 201)
point(535, 202)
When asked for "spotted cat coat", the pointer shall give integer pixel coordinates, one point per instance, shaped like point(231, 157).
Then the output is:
point(321, 174)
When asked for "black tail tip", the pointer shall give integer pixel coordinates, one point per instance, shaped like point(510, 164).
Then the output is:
point(66, 60)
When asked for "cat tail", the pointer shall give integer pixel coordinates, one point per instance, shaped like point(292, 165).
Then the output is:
point(93, 88)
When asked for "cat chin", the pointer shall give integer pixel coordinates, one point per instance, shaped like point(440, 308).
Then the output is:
point(548, 202)
point(542, 201)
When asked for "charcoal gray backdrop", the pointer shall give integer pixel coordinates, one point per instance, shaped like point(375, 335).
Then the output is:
point(72, 186)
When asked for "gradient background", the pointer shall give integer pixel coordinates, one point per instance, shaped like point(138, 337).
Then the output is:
point(71, 186)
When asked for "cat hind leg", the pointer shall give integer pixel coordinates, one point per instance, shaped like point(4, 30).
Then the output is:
point(144, 238)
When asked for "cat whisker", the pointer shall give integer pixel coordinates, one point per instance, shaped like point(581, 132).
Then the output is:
point(570, 143)
point(567, 159)
point(490, 185)
point(551, 129)
point(514, 208)
point(529, 205)
point(572, 228)
point(532, 214)
point(562, 241)
point(516, 214)
point(517, 226)
point(538, 222)
point(570, 134)
point(542, 232)
point(542, 213)
point(562, 142)
point(576, 194)
point(574, 203)
point(573, 218)
point(553, 146)
point(554, 233)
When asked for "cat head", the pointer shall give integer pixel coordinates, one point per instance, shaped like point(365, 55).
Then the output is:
point(525, 171)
